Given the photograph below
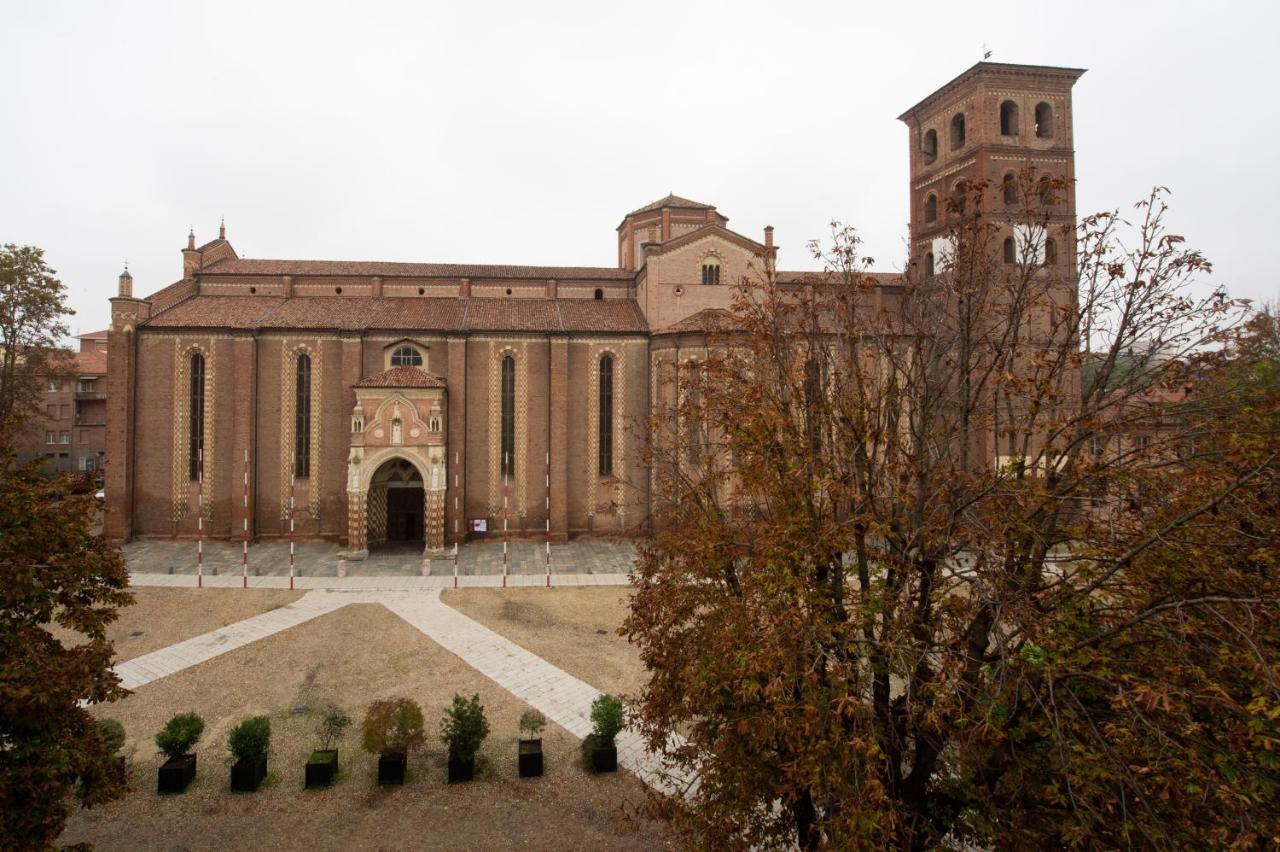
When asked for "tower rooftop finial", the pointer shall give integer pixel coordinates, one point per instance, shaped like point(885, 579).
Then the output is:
point(191, 238)
point(222, 228)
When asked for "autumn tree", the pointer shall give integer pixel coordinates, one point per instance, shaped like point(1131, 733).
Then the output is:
point(985, 555)
point(33, 308)
point(53, 570)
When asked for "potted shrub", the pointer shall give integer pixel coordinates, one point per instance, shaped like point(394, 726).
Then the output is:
point(179, 736)
point(392, 727)
point(530, 750)
point(322, 765)
point(462, 730)
point(599, 747)
point(249, 742)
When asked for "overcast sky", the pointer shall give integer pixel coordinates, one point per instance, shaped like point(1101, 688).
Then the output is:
point(485, 133)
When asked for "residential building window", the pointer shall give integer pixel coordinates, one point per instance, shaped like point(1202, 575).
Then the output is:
point(87, 386)
point(406, 356)
point(51, 411)
point(51, 385)
point(711, 272)
point(64, 437)
point(51, 437)
point(195, 424)
point(605, 460)
point(64, 411)
point(302, 419)
point(508, 416)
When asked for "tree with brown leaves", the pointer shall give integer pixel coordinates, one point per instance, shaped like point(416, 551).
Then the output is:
point(32, 307)
point(982, 557)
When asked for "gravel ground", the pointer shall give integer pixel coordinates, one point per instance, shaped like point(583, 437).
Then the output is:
point(572, 628)
point(161, 617)
point(351, 657)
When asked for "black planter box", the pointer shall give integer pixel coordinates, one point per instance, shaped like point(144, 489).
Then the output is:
point(391, 767)
point(176, 773)
point(604, 758)
point(322, 767)
point(246, 775)
point(461, 770)
point(530, 758)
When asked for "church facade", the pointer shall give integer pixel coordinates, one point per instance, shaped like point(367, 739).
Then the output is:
point(368, 403)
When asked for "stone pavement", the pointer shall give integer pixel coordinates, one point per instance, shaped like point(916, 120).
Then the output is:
point(312, 559)
point(561, 697)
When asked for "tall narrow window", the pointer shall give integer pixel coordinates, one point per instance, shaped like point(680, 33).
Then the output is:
point(1009, 189)
point(957, 131)
point(302, 420)
point(928, 264)
point(711, 272)
point(1050, 252)
point(195, 427)
point(508, 416)
point(929, 146)
point(1044, 120)
point(1010, 251)
point(1008, 118)
point(606, 416)
point(931, 208)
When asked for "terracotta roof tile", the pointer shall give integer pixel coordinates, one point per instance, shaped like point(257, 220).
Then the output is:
point(259, 266)
point(706, 320)
point(672, 201)
point(402, 377)
point(91, 363)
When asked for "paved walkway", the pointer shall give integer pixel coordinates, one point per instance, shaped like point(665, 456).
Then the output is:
point(561, 697)
point(380, 583)
point(313, 559)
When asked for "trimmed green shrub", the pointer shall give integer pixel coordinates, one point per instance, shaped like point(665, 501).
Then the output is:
point(250, 739)
point(606, 718)
point(332, 725)
point(112, 733)
point(392, 725)
point(531, 723)
point(464, 727)
point(180, 734)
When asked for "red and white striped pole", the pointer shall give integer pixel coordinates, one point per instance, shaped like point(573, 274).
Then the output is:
point(244, 503)
point(548, 560)
point(455, 565)
point(291, 529)
point(506, 502)
point(200, 518)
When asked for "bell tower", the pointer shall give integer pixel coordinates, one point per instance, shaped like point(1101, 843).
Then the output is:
point(995, 122)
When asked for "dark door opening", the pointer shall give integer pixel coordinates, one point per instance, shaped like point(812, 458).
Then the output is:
point(404, 514)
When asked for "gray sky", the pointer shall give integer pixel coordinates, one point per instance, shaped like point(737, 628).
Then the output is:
point(521, 133)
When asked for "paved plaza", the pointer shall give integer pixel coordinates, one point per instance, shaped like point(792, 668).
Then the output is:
point(315, 560)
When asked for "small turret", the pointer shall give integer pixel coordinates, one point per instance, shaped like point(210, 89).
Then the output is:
point(125, 290)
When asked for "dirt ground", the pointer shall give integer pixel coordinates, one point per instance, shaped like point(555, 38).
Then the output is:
point(574, 628)
point(350, 657)
point(160, 617)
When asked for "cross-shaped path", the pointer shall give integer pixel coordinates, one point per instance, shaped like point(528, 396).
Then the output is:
point(561, 697)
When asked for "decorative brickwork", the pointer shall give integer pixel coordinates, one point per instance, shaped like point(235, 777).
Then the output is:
point(182, 424)
point(601, 489)
point(520, 352)
point(288, 424)
point(377, 514)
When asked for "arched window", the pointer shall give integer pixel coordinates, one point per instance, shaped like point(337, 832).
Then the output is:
point(957, 131)
point(599, 294)
point(1045, 190)
point(959, 196)
point(693, 420)
point(1009, 189)
point(195, 426)
point(711, 271)
point(928, 264)
point(1050, 252)
point(508, 416)
point(302, 419)
point(1008, 118)
point(406, 356)
point(1044, 120)
point(929, 145)
point(1010, 250)
point(931, 208)
point(605, 455)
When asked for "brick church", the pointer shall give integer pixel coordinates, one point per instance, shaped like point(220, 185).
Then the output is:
point(378, 402)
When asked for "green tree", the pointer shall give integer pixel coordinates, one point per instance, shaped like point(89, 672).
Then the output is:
point(55, 571)
point(872, 633)
point(32, 310)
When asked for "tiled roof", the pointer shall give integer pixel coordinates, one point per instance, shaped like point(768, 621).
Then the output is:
point(672, 201)
point(402, 377)
point(706, 320)
point(259, 266)
point(91, 363)
point(94, 335)
point(356, 313)
point(881, 279)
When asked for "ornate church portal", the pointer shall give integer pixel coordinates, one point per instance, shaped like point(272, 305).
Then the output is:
point(396, 465)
